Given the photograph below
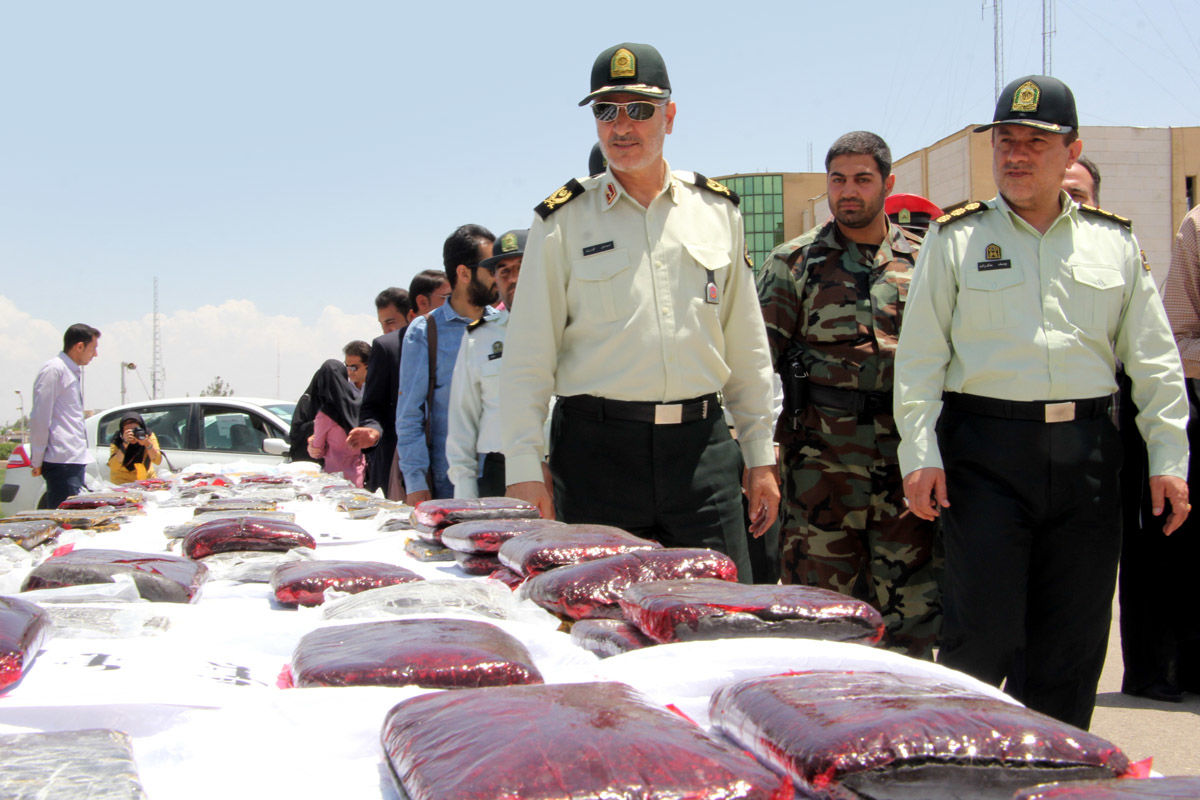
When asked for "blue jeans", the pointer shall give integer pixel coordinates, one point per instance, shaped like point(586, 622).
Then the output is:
point(62, 481)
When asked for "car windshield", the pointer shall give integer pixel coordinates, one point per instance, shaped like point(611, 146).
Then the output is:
point(282, 410)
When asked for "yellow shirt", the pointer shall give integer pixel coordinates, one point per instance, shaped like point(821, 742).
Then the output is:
point(613, 302)
point(116, 468)
point(997, 309)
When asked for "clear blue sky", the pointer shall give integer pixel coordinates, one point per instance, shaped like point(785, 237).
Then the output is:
point(302, 155)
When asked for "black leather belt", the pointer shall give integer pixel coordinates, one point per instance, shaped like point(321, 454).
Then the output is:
point(1035, 410)
point(657, 413)
point(855, 401)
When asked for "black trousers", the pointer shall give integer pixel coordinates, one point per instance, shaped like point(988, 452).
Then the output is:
point(1032, 537)
point(491, 482)
point(677, 484)
point(62, 481)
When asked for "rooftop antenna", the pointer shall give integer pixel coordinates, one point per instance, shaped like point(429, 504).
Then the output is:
point(1047, 34)
point(158, 377)
point(997, 42)
point(810, 157)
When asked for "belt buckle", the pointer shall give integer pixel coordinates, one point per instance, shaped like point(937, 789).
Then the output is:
point(1060, 412)
point(668, 414)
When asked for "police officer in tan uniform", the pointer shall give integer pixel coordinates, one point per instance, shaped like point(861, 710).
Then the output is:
point(639, 311)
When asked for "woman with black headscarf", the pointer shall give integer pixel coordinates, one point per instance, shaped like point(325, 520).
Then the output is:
point(335, 405)
point(133, 451)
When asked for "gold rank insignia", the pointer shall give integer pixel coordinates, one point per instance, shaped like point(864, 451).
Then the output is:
point(716, 187)
point(1026, 97)
point(1145, 261)
point(749, 260)
point(610, 193)
point(564, 195)
point(992, 251)
point(974, 207)
point(623, 64)
point(508, 242)
point(1124, 222)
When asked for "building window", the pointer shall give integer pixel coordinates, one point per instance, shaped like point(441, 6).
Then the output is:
point(762, 211)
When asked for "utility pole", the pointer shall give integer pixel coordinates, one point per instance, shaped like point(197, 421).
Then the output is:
point(21, 422)
point(157, 373)
point(1047, 34)
point(998, 44)
point(124, 366)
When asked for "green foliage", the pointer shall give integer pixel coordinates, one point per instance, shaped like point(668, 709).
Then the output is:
point(217, 387)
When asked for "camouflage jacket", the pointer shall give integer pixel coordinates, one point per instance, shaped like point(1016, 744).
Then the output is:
point(820, 297)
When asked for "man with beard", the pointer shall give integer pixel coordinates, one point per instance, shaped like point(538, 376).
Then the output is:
point(473, 446)
point(427, 364)
point(637, 308)
point(833, 309)
point(1005, 374)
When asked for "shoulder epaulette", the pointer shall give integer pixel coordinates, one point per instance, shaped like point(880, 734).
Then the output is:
point(1100, 212)
point(716, 187)
point(974, 207)
point(471, 326)
point(565, 194)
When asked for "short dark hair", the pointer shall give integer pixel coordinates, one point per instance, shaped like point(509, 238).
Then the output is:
point(358, 348)
point(423, 284)
point(393, 296)
point(1094, 171)
point(862, 143)
point(462, 247)
point(77, 333)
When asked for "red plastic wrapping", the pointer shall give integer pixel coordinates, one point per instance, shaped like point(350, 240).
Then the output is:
point(441, 513)
point(592, 588)
point(428, 533)
point(704, 608)
point(28, 533)
point(22, 629)
point(244, 533)
point(509, 578)
point(608, 637)
point(563, 742)
point(158, 577)
point(93, 500)
point(486, 535)
point(539, 551)
point(304, 582)
point(477, 564)
point(882, 736)
point(1149, 789)
point(433, 653)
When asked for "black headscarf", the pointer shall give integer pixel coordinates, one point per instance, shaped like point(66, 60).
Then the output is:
point(332, 392)
point(134, 453)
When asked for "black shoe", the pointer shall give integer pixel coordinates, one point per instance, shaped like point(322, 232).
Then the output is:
point(1158, 690)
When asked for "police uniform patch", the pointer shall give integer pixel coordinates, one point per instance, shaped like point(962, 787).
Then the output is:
point(610, 192)
point(904, 217)
point(1026, 97)
point(565, 194)
point(622, 65)
point(961, 212)
point(1124, 222)
point(992, 251)
point(508, 242)
point(497, 351)
point(716, 187)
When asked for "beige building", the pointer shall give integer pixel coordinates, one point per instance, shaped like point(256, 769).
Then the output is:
point(1151, 175)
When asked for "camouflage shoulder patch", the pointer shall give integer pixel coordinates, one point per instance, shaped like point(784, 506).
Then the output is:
point(471, 326)
point(716, 187)
point(974, 207)
point(1124, 222)
point(565, 194)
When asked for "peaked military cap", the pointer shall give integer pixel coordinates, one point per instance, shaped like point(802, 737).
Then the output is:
point(1038, 101)
point(629, 67)
point(510, 245)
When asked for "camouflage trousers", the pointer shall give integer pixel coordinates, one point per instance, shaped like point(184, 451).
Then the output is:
point(845, 527)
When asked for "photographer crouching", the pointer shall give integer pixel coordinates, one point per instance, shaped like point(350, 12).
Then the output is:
point(133, 451)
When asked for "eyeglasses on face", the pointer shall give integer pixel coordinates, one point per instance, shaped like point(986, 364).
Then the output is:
point(638, 110)
point(354, 367)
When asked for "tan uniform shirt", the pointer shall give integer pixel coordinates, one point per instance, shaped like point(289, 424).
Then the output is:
point(1181, 295)
point(614, 303)
point(999, 310)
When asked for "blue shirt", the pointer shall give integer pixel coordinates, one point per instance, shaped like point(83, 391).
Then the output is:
point(413, 453)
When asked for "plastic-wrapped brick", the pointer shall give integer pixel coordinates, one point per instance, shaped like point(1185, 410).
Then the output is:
point(486, 535)
point(593, 588)
point(442, 513)
point(884, 737)
point(1181, 788)
point(69, 765)
point(22, 629)
point(608, 637)
point(704, 608)
point(477, 563)
point(539, 551)
point(562, 742)
point(159, 577)
point(433, 653)
point(245, 533)
point(304, 582)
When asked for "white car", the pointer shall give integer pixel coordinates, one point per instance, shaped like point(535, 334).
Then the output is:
point(190, 430)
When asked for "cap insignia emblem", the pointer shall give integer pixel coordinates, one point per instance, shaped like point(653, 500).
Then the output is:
point(623, 64)
point(991, 252)
point(904, 217)
point(1026, 97)
point(508, 243)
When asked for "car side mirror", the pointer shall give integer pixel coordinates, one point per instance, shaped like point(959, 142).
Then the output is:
point(275, 447)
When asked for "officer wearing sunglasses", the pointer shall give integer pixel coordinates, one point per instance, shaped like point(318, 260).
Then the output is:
point(639, 311)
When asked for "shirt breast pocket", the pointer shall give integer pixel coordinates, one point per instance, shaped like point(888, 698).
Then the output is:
point(598, 280)
point(1094, 295)
point(991, 297)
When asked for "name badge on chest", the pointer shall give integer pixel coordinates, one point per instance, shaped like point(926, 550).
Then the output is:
point(710, 288)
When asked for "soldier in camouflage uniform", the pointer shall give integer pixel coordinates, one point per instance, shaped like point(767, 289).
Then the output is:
point(832, 300)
